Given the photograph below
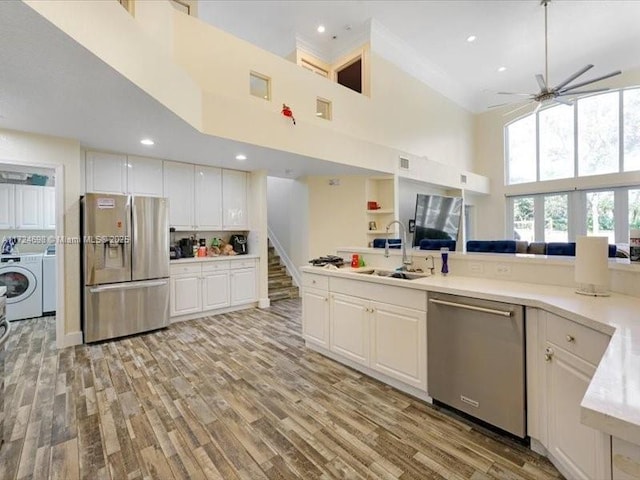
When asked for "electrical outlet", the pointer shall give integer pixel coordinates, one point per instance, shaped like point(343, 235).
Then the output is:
point(503, 270)
point(476, 268)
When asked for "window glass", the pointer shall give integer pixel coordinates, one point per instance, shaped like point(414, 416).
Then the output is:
point(556, 142)
point(523, 219)
point(598, 134)
point(259, 86)
point(631, 129)
point(555, 218)
point(600, 215)
point(634, 209)
point(323, 108)
point(521, 150)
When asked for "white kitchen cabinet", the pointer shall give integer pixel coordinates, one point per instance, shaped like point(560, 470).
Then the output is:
point(208, 198)
point(29, 214)
point(106, 173)
point(215, 286)
point(234, 200)
point(49, 208)
point(399, 343)
point(570, 356)
point(625, 463)
point(7, 206)
point(179, 188)
point(144, 176)
point(349, 327)
point(315, 316)
point(243, 286)
point(185, 294)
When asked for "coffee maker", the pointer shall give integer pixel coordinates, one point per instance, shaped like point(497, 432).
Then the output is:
point(186, 247)
point(239, 243)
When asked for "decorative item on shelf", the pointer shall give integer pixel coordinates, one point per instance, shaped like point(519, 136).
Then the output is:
point(592, 266)
point(373, 226)
point(355, 260)
point(286, 111)
point(373, 206)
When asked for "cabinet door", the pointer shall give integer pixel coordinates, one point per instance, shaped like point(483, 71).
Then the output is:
point(185, 295)
point(144, 176)
point(178, 187)
point(349, 320)
point(399, 343)
point(28, 207)
point(49, 208)
point(234, 200)
point(208, 198)
point(315, 316)
point(7, 206)
point(581, 452)
point(243, 286)
point(106, 173)
point(215, 290)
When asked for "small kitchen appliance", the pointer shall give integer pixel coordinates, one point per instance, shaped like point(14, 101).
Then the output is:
point(239, 243)
point(186, 247)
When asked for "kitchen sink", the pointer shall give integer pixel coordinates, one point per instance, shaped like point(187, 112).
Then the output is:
point(393, 274)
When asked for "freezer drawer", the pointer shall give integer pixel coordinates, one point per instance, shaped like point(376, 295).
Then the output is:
point(120, 309)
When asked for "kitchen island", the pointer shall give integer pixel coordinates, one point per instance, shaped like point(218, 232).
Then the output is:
point(608, 333)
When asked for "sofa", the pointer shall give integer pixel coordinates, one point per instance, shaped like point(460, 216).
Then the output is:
point(434, 244)
point(518, 246)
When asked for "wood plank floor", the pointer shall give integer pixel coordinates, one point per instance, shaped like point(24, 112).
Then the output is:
point(234, 396)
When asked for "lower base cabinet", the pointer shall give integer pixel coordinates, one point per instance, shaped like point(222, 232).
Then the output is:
point(315, 316)
point(207, 286)
point(387, 338)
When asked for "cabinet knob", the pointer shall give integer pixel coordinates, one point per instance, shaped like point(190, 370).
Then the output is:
point(570, 338)
point(548, 354)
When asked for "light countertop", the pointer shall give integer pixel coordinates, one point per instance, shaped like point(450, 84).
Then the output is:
point(212, 259)
point(612, 401)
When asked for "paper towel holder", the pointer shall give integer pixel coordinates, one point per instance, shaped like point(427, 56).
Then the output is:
point(592, 266)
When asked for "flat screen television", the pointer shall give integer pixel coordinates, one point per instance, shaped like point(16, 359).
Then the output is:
point(437, 217)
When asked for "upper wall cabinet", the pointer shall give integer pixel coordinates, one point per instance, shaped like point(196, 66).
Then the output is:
point(234, 200)
point(121, 174)
point(179, 188)
point(208, 197)
point(27, 207)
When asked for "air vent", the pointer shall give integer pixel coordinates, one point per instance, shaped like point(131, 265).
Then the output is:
point(463, 179)
point(404, 163)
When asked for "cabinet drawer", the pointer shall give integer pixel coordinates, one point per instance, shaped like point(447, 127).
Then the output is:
point(315, 281)
point(192, 268)
point(249, 263)
point(582, 341)
point(215, 266)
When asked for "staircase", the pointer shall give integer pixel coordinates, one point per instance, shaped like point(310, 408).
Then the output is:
point(280, 284)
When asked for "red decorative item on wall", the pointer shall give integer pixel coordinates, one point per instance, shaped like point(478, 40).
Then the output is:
point(286, 111)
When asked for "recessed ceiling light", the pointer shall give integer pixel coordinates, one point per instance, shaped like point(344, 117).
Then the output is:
point(241, 156)
point(318, 114)
point(320, 29)
point(147, 141)
point(502, 69)
point(471, 38)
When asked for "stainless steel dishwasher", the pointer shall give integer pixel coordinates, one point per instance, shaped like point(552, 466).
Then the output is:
point(476, 359)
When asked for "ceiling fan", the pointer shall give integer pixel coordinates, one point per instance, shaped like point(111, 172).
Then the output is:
point(558, 93)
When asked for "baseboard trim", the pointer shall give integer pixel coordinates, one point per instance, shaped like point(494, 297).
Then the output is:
point(264, 303)
point(209, 313)
point(72, 339)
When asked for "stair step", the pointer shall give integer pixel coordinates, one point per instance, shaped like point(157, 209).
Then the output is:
point(284, 293)
point(280, 283)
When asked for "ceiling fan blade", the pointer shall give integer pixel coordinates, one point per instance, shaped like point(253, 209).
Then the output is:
point(583, 92)
point(574, 76)
point(541, 82)
point(512, 93)
point(564, 101)
point(588, 82)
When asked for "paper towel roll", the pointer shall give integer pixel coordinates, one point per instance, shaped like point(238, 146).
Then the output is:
point(592, 265)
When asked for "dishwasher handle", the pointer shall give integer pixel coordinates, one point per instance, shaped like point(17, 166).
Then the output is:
point(503, 313)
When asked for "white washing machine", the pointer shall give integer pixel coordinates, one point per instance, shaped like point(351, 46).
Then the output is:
point(21, 274)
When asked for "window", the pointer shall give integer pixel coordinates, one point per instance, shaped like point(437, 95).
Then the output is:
point(323, 108)
point(634, 209)
point(631, 128)
point(598, 128)
point(521, 150)
point(259, 86)
point(556, 143)
point(555, 218)
point(523, 219)
point(600, 220)
point(350, 75)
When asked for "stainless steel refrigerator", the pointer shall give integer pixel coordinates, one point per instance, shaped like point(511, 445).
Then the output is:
point(125, 265)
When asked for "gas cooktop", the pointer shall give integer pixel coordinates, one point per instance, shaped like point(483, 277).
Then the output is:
point(328, 260)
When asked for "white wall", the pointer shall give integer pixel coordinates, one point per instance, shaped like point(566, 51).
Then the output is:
point(288, 217)
point(489, 161)
point(30, 149)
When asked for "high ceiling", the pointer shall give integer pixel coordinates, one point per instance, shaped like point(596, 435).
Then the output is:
point(510, 33)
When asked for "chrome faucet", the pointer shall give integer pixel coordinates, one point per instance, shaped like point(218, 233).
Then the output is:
point(405, 260)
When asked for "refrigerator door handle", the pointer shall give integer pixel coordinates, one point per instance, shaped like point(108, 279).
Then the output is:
point(128, 286)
